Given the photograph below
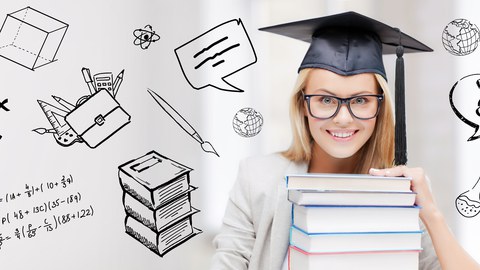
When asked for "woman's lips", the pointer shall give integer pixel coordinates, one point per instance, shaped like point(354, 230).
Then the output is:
point(342, 135)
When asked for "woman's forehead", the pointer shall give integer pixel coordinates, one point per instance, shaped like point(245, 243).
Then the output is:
point(321, 80)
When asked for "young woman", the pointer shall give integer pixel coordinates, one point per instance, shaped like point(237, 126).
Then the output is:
point(342, 121)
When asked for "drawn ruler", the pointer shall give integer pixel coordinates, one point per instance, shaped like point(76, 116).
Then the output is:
point(55, 116)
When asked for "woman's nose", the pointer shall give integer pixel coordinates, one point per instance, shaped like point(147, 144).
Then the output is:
point(343, 116)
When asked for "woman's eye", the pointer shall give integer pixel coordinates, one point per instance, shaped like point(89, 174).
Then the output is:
point(359, 100)
point(326, 100)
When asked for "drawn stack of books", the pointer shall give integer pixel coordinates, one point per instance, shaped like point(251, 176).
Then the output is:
point(353, 221)
point(157, 202)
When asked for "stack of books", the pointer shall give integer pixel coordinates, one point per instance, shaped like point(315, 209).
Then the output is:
point(156, 198)
point(353, 221)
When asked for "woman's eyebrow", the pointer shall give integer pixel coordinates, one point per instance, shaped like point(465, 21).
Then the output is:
point(330, 93)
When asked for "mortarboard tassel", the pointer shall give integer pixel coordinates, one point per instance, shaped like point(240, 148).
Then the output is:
point(400, 117)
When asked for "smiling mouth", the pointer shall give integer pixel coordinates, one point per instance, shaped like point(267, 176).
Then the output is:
point(342, 134)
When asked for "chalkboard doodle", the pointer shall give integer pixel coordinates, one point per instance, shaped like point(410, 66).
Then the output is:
point(144, 37)
point(3, 105)
point(46, 207)
point(157, 201)
point(216, 54)
point(32, 190)
point(468, 203)
point(31, 38)
point(460, 37)
point(206, 146)
point(247, 122)
point(465, 102)
point(93, 119)
point(49, 224)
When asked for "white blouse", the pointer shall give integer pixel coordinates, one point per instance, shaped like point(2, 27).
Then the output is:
point(285, 263)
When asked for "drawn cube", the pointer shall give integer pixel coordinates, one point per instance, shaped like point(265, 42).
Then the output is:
point(31, 38)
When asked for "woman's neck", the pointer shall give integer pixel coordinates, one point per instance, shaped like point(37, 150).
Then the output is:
point(322, 162)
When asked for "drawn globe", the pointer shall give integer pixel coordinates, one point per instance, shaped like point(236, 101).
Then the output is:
point(460, 37)
point(247, 122)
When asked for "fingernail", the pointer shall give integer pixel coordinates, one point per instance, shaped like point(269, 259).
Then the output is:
point(374, 170)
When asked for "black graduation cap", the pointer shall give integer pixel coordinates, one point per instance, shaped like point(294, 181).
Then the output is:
point(350, 43)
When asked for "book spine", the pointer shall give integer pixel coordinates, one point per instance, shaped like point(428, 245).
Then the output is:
point(142, 234)
point(163, 241)
point(135, 189)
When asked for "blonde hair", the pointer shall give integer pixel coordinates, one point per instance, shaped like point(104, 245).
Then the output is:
point(377, 152)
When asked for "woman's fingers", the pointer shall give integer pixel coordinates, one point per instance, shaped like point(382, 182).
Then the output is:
point(394, 171)
point(419, 184)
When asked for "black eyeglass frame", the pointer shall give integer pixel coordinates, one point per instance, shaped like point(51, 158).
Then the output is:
point(380, 98)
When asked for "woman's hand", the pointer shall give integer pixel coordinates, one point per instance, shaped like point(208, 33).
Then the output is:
point(450, 254)
point(419, 185)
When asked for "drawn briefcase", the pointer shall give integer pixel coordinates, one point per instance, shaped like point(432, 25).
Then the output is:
point(97, 118)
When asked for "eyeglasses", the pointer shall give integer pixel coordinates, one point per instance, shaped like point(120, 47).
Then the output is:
point(362, 107)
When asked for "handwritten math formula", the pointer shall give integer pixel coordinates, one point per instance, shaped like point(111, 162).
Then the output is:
point(31, 190)
point(47, 206)
point(24, 214)
point(49, 224)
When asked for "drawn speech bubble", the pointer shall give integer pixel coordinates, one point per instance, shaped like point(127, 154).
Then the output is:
point(218, 53)
point(465, 102)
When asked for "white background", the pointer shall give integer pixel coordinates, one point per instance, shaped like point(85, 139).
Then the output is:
point(100, 37)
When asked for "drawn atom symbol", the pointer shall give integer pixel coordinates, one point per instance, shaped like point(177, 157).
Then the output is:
point(144, 37)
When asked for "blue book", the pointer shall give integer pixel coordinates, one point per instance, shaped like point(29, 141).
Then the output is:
point(355, 241)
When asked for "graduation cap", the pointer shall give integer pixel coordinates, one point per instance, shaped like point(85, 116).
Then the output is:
point(350, 43)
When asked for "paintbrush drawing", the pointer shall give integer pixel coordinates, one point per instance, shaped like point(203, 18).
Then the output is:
point(206, 146)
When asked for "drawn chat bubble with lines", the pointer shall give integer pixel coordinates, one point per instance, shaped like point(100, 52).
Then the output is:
point(465, 102)
point(218, 53)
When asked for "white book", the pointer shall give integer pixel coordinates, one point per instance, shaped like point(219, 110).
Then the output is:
point(379, 260)
point(335, 197)
point(328, 219)
point(355, 242)
point(363, 182)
